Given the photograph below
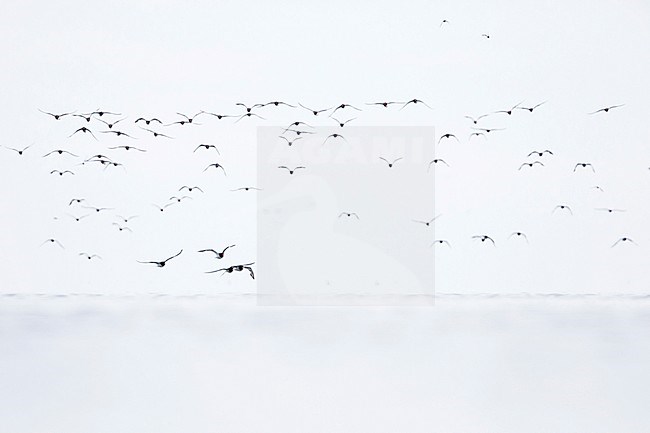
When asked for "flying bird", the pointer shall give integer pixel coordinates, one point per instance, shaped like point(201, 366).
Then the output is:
point(484, 238)
point(246, 188)
point(584, 165)
point(532, 108)
point(84, 130)
point(291, 170)
point(384, 104)
point(207, 147)
point(436, 161)
point(155, 134)
point(218, 116)
point(190, 188)
point(391, 163)
point(335, 136)
point(608, 210)
point(128, 148)
point(606, 109)
point(315, 112)
point(530, 164)
point(218, 254)
point(216, 165)
point(148, 121)
point(426, 222)
point(343, 106)
point(290, 142)
point(20, 151)
point(56, 116)
point(162, 208)
point(539, 154)
point(59, 152)
point(509, 111)
point(349, 214)
point(475, 120)
point(61, 173)
point(237, 268)
point(162, 263)
point(518, 235)
point(111, 124)
point(562, 207)
point(448, 136)
point(342, 124)
point(278, 103)
point(52, 241)
point(623, 239)
point(415, 102)
point(440, 241)
point(90, 256)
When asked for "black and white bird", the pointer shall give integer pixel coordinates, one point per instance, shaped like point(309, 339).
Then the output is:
point(540, 154)
point(190, 188)
point(85, 131)
point(163, 262)
point(427, 222)
point(20, 151)
point(218, 254)
point(61, 173)
point(623, 239)
point(484, 238)
point(348, 215)
point(216, 165)
point(606, 109)
point(290, 142)
point(448, 136)
point(415, 102)
point(440, 242)
point(562, 207)
point(531, 109)
point(60, 152)
point(584, 165)
point(236, 268)
point(89, 256)
point(518, 235)
point(530, 164)
point(315, 112)
point(207, 147)
point(292, 170)
point(56, 116)
point(335, 136)
point(391, 163)
point(436, 161)
point(609, 210)
point(52, 241)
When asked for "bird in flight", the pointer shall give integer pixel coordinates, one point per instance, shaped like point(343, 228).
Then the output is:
point(100, 113)
point(436, 161)
point(484, 238)
point(164, 262)
point(207, 147)
point(488, 130)
point(128, 148)
point(342, 124)
point(606, 109)
point(155, 134)
point(343, 106)
point(384, 104)
point(278, 103)
point(539, 154)
point(448, 136)
point(122, 228)
point(391, 163)
point(237, 268)
point(52, 241)
point(608, 210)
point(623, 239)
point(444, 22)
point(562, 207)
point(77, 218)
point(97, 209)
point(349, 214)
point(427, 222)
point(291, 170)
point(218, 116)
point(584, 165)
point(415, 102)
point(59, 152)
point(84, 130)
point(180, 199)
point(290, 142)
point(530, 164)
point(190, 119)
point(111, 124)
point(218, 254)
point(249, 114)
point(216, 165)
point(509, 111)
point(533, 107)
point(61, 173)
point(90, 256)
point(56, 116)
point(518, 235)
point(20, 151)
point(475, 120)
point(118, 133)
point(335, 136)
point(76, 200)
point(148, 121)
point(477, 134)
point(162, 208)
point(190, 188)
point(126, 219)
point(485, 35)
point(440, 241)
point(246, 188)
point(315, 112)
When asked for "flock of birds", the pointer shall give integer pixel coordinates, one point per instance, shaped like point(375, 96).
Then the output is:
point(98, 123)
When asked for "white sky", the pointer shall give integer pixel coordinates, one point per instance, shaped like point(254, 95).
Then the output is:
point(156, 58)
